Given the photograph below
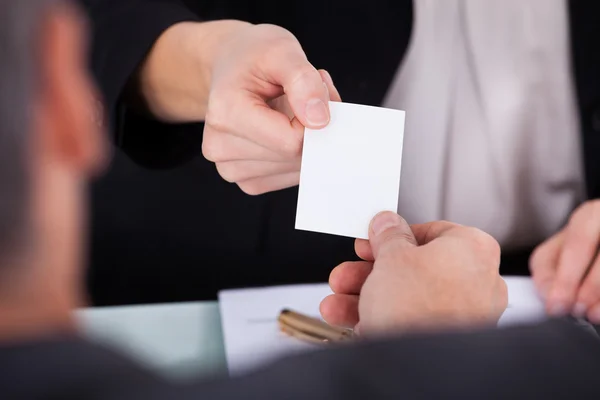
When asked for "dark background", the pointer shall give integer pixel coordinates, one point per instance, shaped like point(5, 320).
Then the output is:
point(184, 233)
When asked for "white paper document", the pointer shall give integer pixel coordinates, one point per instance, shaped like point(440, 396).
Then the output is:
point(249, 320)
point(252, 337)
point(350, 170)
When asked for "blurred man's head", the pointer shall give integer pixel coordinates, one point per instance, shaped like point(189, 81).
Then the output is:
point(49, 145)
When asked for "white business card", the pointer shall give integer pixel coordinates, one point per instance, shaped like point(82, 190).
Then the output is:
point(350, 170)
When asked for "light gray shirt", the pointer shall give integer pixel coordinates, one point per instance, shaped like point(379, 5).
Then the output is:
point(492, 137)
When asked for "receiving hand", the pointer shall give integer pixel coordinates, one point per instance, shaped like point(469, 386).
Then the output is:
point(566, 269)
point(433, 276)
point(263, 93)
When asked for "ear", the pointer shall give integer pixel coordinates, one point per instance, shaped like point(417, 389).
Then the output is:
point(69, 124)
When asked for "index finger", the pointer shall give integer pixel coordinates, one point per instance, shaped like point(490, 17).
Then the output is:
point(248, 116)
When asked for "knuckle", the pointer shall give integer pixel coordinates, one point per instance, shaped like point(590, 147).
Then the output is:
point(287, 47)
point(486, 245)
point(277, 50)
point(536, 258)
point(208, 150)
point(211, 147)
point(305, 73)
point(291, 148)
point(272, 32)
point(227, 172)
point(473, 233)
point(449, 225)
point(251, 188)
point(435, 229)
point(277, 40)
point(585, 218)
point(590, 208)
point(218, 113)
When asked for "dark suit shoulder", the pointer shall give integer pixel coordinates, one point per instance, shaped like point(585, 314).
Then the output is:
point(69, 368)
point(555, 360)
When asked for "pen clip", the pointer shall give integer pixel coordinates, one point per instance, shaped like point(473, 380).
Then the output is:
point(310, 329)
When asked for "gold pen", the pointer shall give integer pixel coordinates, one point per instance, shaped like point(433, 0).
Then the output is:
point(310, 329)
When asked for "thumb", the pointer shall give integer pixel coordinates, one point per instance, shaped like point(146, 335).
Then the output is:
point(388, 233)
point(306, 91)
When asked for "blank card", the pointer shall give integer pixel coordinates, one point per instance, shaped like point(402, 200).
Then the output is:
point(350, 170)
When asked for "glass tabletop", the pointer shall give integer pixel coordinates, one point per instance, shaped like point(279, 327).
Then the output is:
point(178, 341)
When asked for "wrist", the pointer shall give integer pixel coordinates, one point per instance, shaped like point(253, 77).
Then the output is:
point(173, 83)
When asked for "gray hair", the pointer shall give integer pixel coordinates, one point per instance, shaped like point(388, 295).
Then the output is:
point(19, 23)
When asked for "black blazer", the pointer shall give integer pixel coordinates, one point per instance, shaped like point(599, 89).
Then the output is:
point(183, 233)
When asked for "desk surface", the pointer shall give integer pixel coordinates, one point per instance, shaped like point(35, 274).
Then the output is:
point(179, 341)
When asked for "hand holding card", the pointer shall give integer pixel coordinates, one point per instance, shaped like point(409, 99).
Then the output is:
point(350, 170)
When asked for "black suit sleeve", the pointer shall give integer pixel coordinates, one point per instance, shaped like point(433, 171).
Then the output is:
point(123, 32)
point(552, 361)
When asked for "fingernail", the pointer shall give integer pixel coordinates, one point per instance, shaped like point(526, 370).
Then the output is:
point(579, 310)
point(384, 221)
point(558, 310)
point(316, 113)
point(594, 316)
